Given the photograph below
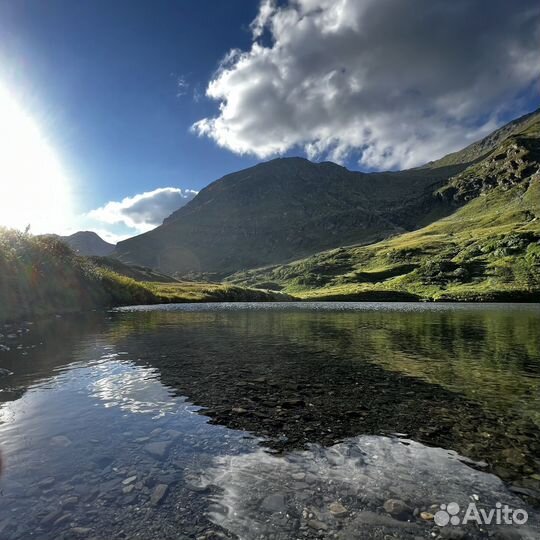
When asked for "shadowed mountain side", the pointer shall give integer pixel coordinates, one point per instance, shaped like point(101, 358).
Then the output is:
point(138, 273)
point(280, 209)
point(86, 243)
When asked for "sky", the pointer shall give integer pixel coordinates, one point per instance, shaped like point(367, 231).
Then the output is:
point(122, 110)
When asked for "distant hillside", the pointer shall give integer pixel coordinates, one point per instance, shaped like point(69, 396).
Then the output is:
point(489, 249)
point(289, 208)
point(139, 273)
point(88, 243)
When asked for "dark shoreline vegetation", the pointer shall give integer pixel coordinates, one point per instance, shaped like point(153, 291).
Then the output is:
point(42, 276)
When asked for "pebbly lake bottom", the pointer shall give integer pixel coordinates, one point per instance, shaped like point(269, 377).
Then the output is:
point(273, 421)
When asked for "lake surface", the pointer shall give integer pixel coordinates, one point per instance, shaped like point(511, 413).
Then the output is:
point(271, 421)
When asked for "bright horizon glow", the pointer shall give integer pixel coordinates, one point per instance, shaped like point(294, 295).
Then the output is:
point(34, 189)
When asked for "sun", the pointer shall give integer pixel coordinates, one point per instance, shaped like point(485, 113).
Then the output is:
point(34, 190)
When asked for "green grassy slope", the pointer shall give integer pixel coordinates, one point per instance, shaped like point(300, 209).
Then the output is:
point(489, 249)
point(42, 275)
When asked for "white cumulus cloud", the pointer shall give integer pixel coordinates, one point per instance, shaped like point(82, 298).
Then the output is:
point(144, 211)
point(394, 83)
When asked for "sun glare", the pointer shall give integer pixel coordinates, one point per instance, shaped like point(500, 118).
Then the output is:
point(34, 189)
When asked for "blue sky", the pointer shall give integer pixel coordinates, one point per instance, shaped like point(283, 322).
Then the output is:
point(101, 79)
point(117, 87)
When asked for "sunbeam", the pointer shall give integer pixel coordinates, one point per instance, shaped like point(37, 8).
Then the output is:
point(34, 189)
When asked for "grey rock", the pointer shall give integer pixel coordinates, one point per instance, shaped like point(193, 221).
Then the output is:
point(197, 488)
point(70, 502)
point(525, 491)
point(159, 493)
point(452, 533)
point(338, 510)
point(372, 518)
point(317, 525)
point(311, 478)
point(80, 531)
point(129, 480)
point(397, 508)
point(173, 434)
point(103, 461)
point(291, 403)
point(335, 459)
point(47, 482)
point(51, 517)
point(62, 519)
point(510, 534)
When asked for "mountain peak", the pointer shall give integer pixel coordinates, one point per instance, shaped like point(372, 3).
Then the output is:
point(88, 243)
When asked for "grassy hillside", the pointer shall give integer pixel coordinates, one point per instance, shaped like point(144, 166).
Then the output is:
point(192, 291)
point(489, 249)
point(481, 149)
point(42, 275)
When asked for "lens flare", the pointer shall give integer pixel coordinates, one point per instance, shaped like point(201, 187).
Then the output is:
point(34, 190)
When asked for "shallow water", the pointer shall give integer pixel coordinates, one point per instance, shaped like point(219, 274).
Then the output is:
point(255, 420)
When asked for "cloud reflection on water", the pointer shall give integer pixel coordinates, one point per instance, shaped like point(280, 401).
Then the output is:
point(361, 473)
point(134, 389)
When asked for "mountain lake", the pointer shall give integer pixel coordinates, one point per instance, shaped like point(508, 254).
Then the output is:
point(271, 421)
